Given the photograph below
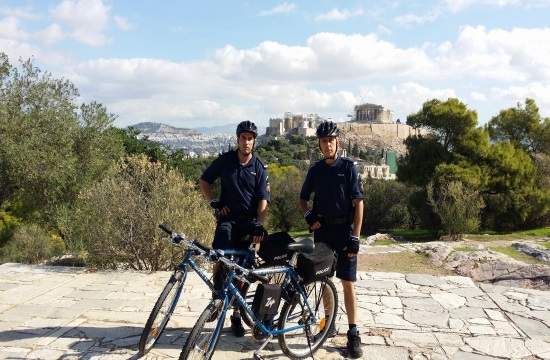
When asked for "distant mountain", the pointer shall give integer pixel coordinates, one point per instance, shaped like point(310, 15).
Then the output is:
point(151, 128)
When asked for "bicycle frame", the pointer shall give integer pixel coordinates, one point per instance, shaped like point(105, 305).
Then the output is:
point(246, 255)
point(230, 291)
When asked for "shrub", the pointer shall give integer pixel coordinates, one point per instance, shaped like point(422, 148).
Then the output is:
point(385, 205)
point(458, 207)
point(30, 244)
point(116, 222)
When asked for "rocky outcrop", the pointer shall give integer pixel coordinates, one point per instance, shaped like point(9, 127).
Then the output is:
point(487, 266)
point(538, 252)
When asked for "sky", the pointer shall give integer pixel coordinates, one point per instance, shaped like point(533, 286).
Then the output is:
point(193, 63)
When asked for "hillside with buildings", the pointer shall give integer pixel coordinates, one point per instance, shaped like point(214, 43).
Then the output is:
point(371, 128)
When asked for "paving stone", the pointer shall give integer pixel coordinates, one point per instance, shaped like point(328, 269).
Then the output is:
point(52, 313)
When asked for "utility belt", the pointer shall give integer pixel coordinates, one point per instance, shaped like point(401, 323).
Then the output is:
point(236, 217)
point(339, 220)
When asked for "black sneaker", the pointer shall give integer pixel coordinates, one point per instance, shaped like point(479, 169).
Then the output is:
point(237, 325)
point(354, 344)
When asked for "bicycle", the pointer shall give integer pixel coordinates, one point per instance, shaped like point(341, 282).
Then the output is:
point(169, 297)
point(308, 309)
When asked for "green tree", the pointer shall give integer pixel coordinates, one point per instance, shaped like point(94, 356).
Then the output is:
point(458, 207)
point(523, 127)
point(385, 205)
point(283, 211)
point(456, 150)
point(37, 126)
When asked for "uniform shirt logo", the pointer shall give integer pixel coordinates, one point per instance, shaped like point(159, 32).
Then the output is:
point(341, 174)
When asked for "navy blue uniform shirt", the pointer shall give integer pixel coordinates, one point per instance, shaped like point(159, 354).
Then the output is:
point(335, 187)
point(242, 187)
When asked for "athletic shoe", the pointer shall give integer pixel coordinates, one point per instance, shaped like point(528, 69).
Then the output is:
point(237, 325)
point(354, 344)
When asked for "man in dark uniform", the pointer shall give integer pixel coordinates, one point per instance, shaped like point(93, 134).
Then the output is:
point(336, 217)
point(243, 200)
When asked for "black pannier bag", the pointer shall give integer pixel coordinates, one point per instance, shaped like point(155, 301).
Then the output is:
point(273, 250)
point(320, 263)
point(266, 300)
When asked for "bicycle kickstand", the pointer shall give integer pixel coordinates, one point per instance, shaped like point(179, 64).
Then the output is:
point(257, 355)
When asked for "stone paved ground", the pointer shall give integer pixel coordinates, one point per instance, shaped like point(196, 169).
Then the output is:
point(69, 313)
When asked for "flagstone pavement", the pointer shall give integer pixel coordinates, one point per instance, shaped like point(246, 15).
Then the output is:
point(69, 313)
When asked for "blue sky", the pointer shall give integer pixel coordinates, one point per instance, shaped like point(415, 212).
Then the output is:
point(206, 63)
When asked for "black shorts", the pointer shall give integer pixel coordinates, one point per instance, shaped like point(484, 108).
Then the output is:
point(232, 235)
point(337, 236)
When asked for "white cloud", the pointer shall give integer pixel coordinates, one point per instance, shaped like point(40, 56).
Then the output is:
point(284, 8)
point(10, 29)
point(123, 23)
point(339, 15)
point(86, 18)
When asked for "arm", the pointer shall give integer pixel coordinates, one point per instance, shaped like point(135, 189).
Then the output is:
point(357, 222)
point(260, 217)
point(358, 217)
point(305, 209)
point(206, 190)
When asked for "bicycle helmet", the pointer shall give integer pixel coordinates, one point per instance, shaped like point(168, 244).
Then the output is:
point(327, 129)
point(247, 126)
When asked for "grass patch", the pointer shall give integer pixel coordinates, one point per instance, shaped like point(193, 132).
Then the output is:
point(383, 242)
point(416, 236)
point(518, 235)
point(405, 262)
point(515, 254)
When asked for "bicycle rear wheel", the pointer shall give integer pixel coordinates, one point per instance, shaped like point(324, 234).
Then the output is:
point(203, 333)
point(303, 342)
point(160, 315)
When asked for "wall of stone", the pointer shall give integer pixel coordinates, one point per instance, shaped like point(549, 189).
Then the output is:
point(401, 131)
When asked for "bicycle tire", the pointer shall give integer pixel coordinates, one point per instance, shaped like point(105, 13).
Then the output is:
point(202, 334)
point(295, 344)
point(156, 324)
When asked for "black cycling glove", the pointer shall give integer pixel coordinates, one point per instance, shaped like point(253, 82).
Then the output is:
point(353, 245)
point(311, 217)
point(216, 204)
point(259, 229)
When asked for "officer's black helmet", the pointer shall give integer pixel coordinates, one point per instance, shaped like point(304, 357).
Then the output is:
point(247, 126)
point(327, 129)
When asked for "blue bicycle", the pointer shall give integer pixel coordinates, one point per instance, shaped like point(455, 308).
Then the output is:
point(169, 297)
point(299, 309)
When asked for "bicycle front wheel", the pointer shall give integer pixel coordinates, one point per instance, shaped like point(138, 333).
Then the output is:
point(305, 340)
point(204, 333)
point(161, 313)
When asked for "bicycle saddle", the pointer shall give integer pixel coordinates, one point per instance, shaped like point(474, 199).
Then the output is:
point(304, 246)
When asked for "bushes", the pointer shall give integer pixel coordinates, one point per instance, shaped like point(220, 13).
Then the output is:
point(31, 244)
point(116, 224)
point(458, 207)
point(385, 205)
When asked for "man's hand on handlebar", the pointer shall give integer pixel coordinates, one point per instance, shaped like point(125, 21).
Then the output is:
point(258, 232)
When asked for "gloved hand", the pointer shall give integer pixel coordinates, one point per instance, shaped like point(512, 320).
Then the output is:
point(216, 204)
point(259, 229)
point(353, 245)
point(311, 217)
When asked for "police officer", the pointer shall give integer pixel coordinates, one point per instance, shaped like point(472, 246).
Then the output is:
point(243, 200)
point(336, 217)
